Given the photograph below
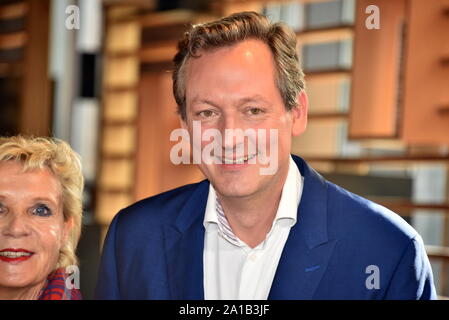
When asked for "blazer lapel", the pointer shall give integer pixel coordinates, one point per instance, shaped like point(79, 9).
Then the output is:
point(300, 270)
point(307, 250)
point(184, 244)
point(303, 261)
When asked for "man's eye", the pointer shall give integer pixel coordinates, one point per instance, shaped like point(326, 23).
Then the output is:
point(2, 209)
point(255, 111)
point(206, 113)
point(42, 210)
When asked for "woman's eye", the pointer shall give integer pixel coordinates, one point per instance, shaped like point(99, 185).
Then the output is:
point(42, 210)
point(2, 208)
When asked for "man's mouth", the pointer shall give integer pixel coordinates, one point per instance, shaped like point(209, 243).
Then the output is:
point(240, 160)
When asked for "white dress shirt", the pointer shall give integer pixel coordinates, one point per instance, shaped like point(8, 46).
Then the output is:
point(233, 270)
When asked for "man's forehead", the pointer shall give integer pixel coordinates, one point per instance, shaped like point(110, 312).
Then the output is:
point(250, 51)
point(251, 58)
point(239, 73)
point(241, 98)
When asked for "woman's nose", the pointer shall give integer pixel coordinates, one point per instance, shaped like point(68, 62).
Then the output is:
point(15, 226)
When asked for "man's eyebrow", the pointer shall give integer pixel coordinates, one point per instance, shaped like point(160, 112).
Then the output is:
point(197, 100)
point(255, 98)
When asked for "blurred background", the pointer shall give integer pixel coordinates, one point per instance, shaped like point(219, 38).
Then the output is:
point(98, 75)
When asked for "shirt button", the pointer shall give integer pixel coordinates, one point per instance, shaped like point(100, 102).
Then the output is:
point(253, 256)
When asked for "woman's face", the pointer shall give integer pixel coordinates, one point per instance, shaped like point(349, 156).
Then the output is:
point(32, 226)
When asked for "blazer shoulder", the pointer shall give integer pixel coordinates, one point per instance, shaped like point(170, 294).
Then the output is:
point(159, 209)
point(351, 215)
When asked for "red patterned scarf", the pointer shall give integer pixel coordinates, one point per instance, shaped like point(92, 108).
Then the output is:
point(56, 288)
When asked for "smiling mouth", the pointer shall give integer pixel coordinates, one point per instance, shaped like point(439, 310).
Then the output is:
point(15, 255)
point(240, 160)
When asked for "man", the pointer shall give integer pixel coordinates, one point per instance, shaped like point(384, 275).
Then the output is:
point(241, 234)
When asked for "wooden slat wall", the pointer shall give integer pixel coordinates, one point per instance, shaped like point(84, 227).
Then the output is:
point(426, 100)
point(13, 40)
point(155, 172)
point(13, 10)
point(376, 68)
point(156, 116)
point(36, 98)
point(116, 183)
point(24, 41)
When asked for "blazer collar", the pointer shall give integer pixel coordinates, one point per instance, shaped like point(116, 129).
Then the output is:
point(302, 262)
point(312, 210)
point(307, 251)
point(193, 208)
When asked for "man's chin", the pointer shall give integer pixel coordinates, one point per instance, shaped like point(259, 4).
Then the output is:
point(233, 184)
point(234, 190)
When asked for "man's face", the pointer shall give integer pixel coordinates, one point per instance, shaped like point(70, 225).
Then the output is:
point(234, 88)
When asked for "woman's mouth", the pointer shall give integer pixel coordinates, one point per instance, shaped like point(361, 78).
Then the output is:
point(15, 255)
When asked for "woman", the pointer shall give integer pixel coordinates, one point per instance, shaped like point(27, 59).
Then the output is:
point(41, 188)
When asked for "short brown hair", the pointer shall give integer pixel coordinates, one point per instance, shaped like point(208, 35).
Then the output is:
point(232, 30)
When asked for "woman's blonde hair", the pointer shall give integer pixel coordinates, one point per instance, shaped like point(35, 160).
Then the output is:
point(65, 164)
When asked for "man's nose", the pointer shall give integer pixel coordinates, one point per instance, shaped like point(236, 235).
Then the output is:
point(228, 121)
point(228, 125)
point(15, 226)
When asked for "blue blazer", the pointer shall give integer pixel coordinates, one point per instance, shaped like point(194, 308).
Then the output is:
point(342, 247)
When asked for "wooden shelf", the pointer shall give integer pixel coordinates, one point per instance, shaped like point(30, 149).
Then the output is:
point(109, 156)
point(114, 190)
point(330, 115)
point(325, 34)
point(13, 10)
point(13, 40)
point(437, 252)
point(119, 122)
point(121, 54)
point(160, 52)
point(167, 18)
point(117, 89)
point(11, 69)
point(424, 158)
point(120, 11)
point(328, 73)
point(408, 205)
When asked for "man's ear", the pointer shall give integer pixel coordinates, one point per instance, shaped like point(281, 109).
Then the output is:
point(183, 123)
point(299, 114)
